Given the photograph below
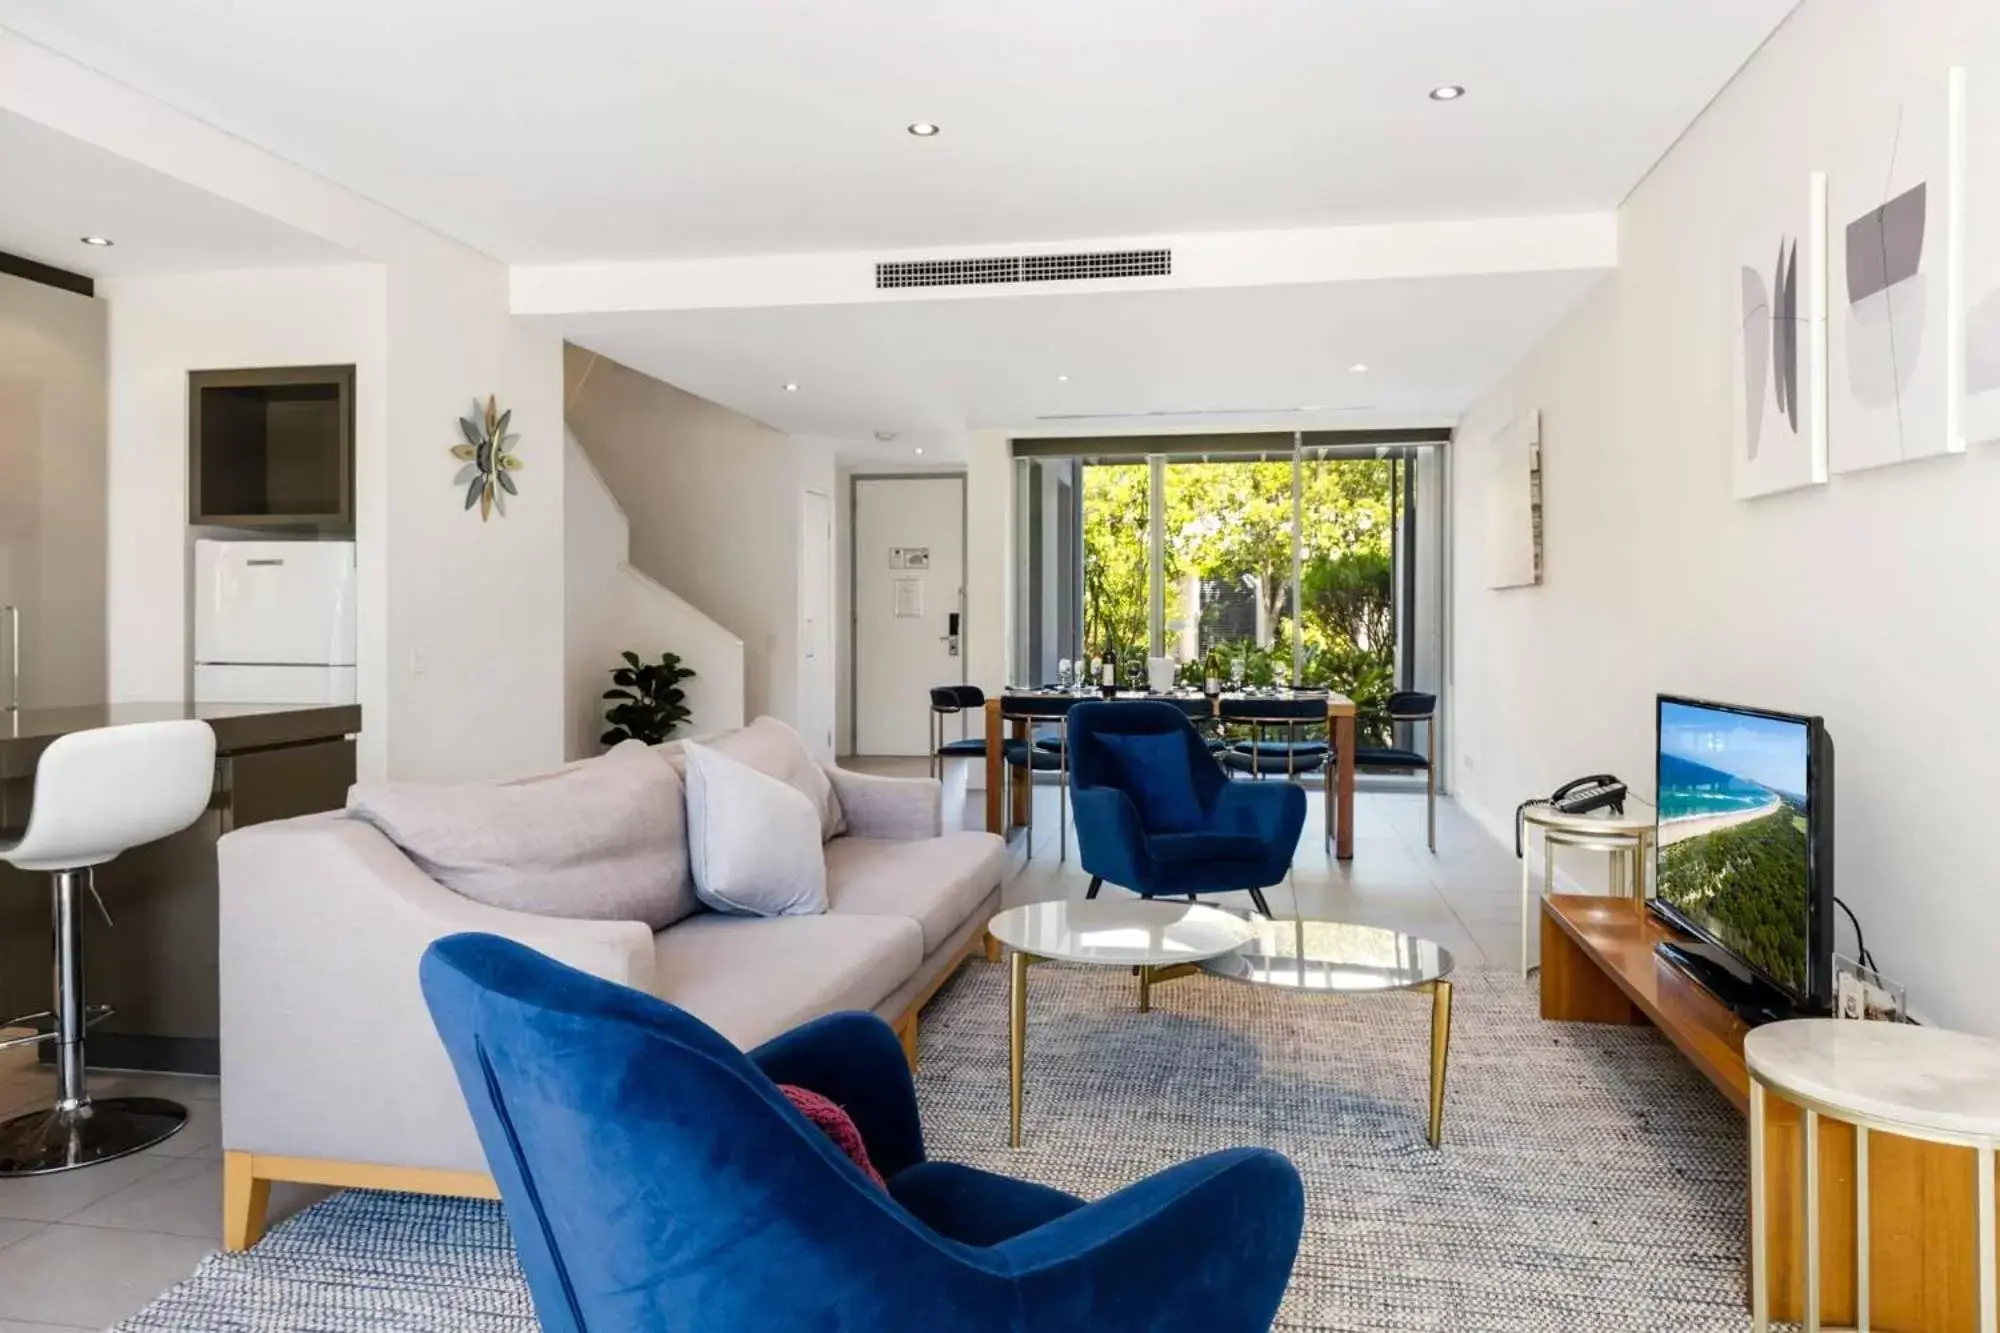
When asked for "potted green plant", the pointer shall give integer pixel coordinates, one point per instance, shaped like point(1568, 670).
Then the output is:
point(650, 701)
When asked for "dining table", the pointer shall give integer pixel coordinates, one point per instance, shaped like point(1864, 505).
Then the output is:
point(1013, 715)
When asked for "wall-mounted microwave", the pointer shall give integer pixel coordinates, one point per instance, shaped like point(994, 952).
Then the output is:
point(272, 448)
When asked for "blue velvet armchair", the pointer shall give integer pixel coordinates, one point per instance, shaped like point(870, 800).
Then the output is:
point(1156, 814)
point(656, 1179)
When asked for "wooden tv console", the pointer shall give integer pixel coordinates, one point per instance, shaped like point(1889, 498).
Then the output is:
point(1598, 966)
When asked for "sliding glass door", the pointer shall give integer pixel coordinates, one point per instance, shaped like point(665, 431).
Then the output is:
point(1226, 556)
point(1346, 636)
point(1116, 521)
point(1274, 559)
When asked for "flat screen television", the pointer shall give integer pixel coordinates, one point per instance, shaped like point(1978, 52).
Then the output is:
point(1744, 858)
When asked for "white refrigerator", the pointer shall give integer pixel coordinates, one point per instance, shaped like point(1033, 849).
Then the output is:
point(274, 622)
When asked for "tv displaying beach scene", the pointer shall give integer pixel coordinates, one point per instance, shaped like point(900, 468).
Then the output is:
point(1735, 833)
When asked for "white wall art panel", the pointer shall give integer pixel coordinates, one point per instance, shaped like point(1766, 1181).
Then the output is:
point(1889, 206)
point(1781, 340)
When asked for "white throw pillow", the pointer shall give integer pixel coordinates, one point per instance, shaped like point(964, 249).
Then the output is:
point(599, 840)
point(771, 747)
point(753, 840)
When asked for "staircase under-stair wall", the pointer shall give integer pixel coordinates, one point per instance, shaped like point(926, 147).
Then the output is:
point(610, 607)
point(730, 514)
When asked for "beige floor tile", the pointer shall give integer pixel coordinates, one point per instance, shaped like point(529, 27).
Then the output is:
point(52, 1198)
point(17, 1326)
point(1465, 897)
point(91, 1277)
point(183, 1200)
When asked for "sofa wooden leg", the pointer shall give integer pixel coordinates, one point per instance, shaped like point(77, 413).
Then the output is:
point(245, 1201)
point(908, 1032)
point(992, 948)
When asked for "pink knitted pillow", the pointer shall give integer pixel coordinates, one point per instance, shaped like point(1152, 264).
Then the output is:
point(836, 1124)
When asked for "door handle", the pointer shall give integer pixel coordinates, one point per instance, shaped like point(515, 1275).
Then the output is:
point(13, 658)
point(950, 636)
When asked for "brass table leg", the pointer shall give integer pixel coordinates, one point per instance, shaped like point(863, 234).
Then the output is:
point(1017, 1046)
point(1151, 975)
point(1440, 1055)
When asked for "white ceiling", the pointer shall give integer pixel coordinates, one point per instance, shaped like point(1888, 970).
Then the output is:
point(1220, 357)
point(55, 190)
point(600, 129)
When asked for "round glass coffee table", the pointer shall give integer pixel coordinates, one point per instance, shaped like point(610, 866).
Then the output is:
point(1158, 940)
point(1333, 957)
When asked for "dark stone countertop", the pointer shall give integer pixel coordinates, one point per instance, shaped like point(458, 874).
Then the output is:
point(238, 727)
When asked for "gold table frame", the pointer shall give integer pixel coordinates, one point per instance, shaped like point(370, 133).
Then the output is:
point(1149, 976)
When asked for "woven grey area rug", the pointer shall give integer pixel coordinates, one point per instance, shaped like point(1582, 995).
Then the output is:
point(1589, 1180)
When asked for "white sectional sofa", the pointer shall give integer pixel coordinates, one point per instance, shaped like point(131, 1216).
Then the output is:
point(332, 1073)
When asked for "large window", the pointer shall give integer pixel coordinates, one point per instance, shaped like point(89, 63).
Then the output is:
point(1272, 561)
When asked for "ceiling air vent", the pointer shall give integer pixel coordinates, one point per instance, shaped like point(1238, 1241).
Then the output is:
point(986, 271)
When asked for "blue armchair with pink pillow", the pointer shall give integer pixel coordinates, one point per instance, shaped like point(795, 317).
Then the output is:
point(657, 1178)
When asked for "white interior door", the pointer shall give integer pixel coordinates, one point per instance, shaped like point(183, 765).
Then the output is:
point(816, 622)
point(909, 596)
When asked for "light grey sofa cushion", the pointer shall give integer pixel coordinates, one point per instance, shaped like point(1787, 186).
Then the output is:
point(753, 840)
point(769, 746)
point(601, 840)
point(752, 978)
point(873, 806)
point(936, 882)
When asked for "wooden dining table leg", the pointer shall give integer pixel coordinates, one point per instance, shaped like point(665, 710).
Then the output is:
point(996, 769)
point(1023, 785)
point(1343, 740)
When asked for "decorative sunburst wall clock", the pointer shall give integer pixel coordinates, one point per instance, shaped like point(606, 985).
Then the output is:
point(489, 463)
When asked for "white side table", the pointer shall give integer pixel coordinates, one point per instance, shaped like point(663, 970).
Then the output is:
point(1625, 837)
point(1914, 1082)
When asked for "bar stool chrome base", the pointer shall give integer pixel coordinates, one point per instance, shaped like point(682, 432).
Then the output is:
point(58, 1138)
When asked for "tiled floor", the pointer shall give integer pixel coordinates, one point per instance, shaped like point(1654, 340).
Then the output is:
point(87, 1248)
point(1466, 895)
point(83, 1249)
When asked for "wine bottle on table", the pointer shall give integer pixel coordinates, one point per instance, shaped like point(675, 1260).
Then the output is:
point(1107, 683)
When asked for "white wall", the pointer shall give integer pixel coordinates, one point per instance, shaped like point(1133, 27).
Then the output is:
point(475, 647)
point(989, 559)
point(610, 607)
point(460, 621)
point(713, 502)
point(461, 659)
point(1869, 600)
point(160, 329)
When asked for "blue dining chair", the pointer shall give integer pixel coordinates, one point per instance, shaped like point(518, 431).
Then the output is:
point(1409, 707)
point(1156, 814)
point(657, 1180)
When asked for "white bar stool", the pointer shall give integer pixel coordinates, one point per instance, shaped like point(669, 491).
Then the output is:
point(97, 793)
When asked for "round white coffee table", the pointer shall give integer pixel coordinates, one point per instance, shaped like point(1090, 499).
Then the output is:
point(1161, 940)
point(1338, 957)
point(1914, 1082)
